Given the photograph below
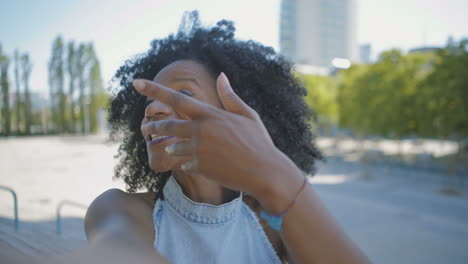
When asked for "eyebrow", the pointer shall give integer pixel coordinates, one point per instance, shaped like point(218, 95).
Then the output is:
point(185, 79)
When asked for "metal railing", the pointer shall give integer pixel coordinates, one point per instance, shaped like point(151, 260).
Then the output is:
point(58, 221)
point(15, 201)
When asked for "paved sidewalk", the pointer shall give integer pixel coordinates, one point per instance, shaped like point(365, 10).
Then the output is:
point(395, 219)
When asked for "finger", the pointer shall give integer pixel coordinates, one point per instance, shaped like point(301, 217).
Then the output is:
point(180, 149)
point(180, 160)
point(179, 102)
point(178, 128)
point(190, 166)
point(230, 100)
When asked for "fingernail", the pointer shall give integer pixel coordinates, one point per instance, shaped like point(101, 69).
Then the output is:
point(170, 149)
point(139, 84)
point(225, 80)
point(186, 166)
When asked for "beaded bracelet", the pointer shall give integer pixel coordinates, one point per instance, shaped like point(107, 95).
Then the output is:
point(275, 221)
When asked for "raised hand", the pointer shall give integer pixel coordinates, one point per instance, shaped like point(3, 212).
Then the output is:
point(230, 146)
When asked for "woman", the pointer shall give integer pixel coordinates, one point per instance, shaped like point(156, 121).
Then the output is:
point(216, 130)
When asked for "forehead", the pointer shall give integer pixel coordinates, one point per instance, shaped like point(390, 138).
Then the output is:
point(187, 68)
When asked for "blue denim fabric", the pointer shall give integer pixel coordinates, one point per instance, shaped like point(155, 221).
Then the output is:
point(190, 232)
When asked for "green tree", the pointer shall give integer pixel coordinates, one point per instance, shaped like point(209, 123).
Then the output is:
point(83, 61)
point(72, 76)
point(381, 98)
point(4, 63)
point(98, 96)
point(418, 94)
point(446, 87)
point(322, 98)
point(26, 68)
point(56, 85)
point(352, 98)
point(17, 94)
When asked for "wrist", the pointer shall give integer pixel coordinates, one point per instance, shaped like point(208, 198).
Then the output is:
point(281, 187)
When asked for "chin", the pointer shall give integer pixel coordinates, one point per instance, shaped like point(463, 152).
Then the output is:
point(160, 164)
point(158, 167)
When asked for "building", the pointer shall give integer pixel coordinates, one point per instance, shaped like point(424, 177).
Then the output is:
point(314, 32)
point(365, 53)
point(424, 49)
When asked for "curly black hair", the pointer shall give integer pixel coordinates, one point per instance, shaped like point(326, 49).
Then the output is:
point(262, 78)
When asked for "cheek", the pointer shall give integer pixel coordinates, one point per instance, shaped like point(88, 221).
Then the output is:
point(214, 100)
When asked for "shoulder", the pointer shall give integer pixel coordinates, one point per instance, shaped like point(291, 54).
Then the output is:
point(116, 199)
point(132, 207)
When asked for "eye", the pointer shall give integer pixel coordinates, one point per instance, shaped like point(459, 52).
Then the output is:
point(186, 92)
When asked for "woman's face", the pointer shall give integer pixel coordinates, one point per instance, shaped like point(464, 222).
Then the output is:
point(191, 79)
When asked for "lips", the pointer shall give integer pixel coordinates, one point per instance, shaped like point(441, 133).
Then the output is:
point(159, 140)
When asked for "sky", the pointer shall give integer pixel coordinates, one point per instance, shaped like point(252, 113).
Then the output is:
point(120, 29)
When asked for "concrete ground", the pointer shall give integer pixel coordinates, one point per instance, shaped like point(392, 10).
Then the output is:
point(395, 214)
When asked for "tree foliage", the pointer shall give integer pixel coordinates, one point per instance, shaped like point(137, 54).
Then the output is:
point(417, 94)
point(382, 98)
point(6, 117)
point(77, 63)
point(322, 98)
point(18, 115)
point(447, 88)
point(56, 86)
point(70, 110)
point(26, 68)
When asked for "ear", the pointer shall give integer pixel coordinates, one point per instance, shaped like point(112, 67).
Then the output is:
point(230, 100)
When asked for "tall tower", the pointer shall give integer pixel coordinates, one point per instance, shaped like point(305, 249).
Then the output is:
point(314, 32)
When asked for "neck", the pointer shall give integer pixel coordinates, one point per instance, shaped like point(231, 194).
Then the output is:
point(202, 190)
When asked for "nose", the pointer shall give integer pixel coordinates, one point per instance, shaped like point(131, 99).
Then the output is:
point(158, 110)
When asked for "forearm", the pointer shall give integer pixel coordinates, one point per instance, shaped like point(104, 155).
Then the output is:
point(312, 235)
point(119, 229)
point(309, 231)
point(117, 242)
point(113, 248)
